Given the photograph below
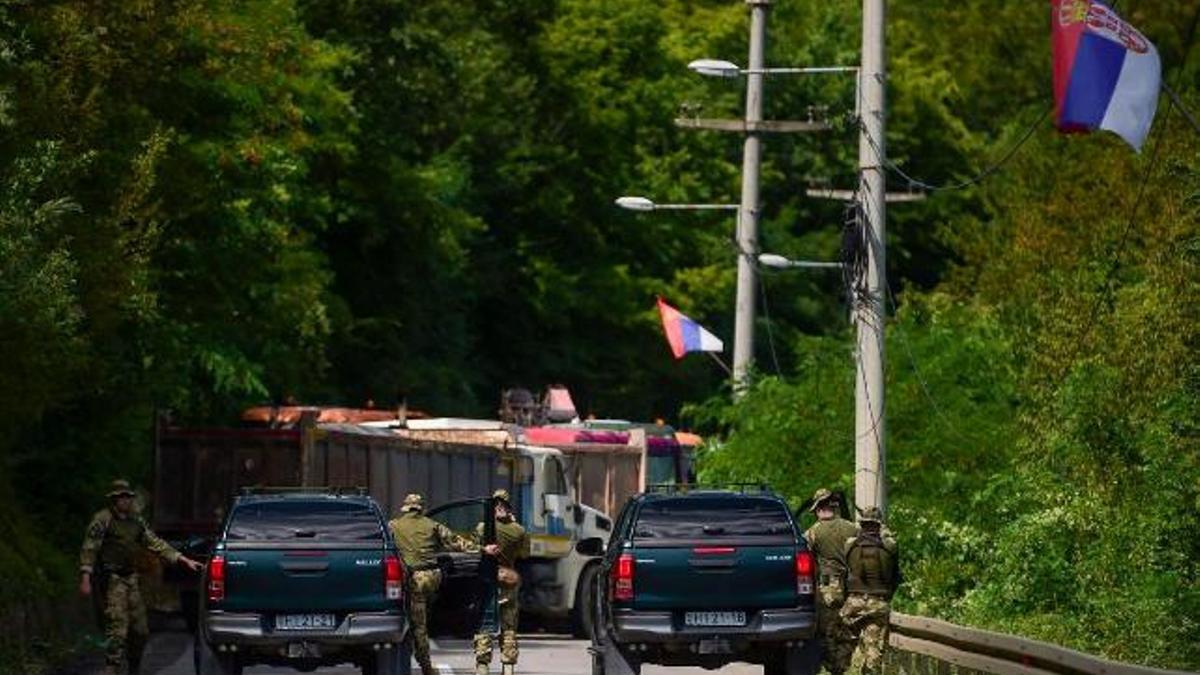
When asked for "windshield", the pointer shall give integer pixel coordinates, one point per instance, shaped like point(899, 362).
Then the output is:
point(305, 521)
point(712, 517)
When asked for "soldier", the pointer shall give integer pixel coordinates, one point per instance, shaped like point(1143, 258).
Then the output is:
point(827, 540)
point(513, 544)
point(419, 539)
point(872, 574)
point(116, 535)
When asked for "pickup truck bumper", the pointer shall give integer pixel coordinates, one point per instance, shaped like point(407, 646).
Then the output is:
point(254, 630)
point(767, 625)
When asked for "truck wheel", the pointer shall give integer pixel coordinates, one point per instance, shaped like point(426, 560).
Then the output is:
point(583, 623)
point(802, 660)
point(395, 661)
point(209, 662)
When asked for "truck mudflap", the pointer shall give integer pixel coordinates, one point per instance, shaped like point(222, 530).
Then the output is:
point(766, 625)
point(358, 628)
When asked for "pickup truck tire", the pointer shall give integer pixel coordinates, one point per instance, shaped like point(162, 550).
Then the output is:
point(802, 660)
point(582, 617)
point(209, 662)
point(395, 661)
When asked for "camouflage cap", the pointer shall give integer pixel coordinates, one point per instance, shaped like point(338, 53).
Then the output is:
point(120, 488)
point(502, 495)
point(820, 497)
point(413, 502)
point(871, 514)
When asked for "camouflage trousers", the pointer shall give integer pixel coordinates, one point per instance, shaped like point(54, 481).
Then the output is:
point(837, 644)
point(510, 611)
point(866, 619)
point(125, 627)
point(424, 587)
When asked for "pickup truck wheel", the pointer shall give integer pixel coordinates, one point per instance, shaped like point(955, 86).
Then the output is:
point(802, 660)
point(209, 662)
point(395, 661)
point(582, 619)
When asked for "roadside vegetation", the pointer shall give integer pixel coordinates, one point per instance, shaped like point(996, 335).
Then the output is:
point(209, 204)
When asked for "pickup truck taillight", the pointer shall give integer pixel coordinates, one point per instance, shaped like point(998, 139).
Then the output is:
point(393, 575)
point(805, 566)
point(216, 579)
point(622, 578)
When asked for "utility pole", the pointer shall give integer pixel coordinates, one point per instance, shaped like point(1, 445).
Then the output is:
point(870, 432)
point(747, 227)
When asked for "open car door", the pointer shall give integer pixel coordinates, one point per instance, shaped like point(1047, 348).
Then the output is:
point(466, 602)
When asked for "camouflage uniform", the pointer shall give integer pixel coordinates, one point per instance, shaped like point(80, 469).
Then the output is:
point(827, 540)
point(513, 541)
point(419, 540)
point(872, 573)
point(110, 548)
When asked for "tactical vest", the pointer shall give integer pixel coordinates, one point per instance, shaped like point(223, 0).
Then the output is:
point(416, 537)
point(122, 542)
point(871, 566)
point(511, 539)
point(827, 540)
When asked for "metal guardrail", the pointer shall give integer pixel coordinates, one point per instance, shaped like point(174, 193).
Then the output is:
point(921, 645)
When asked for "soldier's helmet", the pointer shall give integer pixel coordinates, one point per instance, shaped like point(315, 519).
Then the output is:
point(820, 497)
point(120, 488)
point(871, 514)
point(412, 502)
point(502, 495)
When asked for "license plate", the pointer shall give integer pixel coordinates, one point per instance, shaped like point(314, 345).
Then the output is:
point(304, 622)
point(714, 618)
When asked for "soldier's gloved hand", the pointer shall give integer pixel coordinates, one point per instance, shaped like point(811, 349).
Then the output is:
point(190, 564)
point(491, 549)
point(85, 585)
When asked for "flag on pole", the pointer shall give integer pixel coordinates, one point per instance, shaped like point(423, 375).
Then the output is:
point(1106, 73)
point(686, 335)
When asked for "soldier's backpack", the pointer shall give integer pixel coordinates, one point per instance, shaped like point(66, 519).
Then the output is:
point(872, 566)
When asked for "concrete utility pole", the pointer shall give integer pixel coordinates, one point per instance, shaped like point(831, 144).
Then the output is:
point(870, 477)
point(747, 230)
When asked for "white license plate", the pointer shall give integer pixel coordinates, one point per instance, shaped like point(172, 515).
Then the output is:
point(714, 618)
point(304, 622)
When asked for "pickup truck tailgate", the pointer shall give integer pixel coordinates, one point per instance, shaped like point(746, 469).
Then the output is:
point(286, 580)
point(730, 576)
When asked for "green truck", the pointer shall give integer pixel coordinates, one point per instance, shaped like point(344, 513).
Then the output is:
point(705, 578)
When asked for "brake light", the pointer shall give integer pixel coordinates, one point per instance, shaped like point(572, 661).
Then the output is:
point(805, 565)
point(714, 550)
point(393, 575)
point(623, 578)
point(216, 579)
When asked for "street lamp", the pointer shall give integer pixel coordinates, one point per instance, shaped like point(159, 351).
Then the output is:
point(719, 68)
point(644, 204)
point(781, 263)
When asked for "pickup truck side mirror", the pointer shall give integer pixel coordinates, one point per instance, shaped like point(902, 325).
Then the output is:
point(593, 546)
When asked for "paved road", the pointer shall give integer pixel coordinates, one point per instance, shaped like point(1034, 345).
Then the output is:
point(170, 653)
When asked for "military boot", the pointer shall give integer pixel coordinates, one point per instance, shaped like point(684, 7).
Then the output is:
point(481, 669)
point(427, 667)
point(509, 669)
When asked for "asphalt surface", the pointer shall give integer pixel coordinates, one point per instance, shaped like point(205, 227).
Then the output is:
point(170, 653)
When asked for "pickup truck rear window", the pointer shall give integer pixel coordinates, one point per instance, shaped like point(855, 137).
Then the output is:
point(305, 521)
point(712, 518)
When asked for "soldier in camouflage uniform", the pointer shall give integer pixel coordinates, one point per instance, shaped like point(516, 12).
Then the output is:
point(419, 539)
point(111, 544)
point(827, 540)
point(513, 542)
point(872, 574)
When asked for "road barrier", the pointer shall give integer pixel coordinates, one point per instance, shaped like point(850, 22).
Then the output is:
point(920, 645)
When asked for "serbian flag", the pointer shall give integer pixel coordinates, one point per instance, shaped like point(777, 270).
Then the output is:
point(684, 334)
point(1106, 73)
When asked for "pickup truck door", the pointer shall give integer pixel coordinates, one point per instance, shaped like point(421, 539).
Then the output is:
point(468, 592)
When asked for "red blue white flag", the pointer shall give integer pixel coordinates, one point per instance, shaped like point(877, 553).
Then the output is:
point(1106, 74)
point(684, 334)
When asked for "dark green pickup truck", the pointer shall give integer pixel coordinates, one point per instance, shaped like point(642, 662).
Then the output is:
point(705, 578)
point(303, 579)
